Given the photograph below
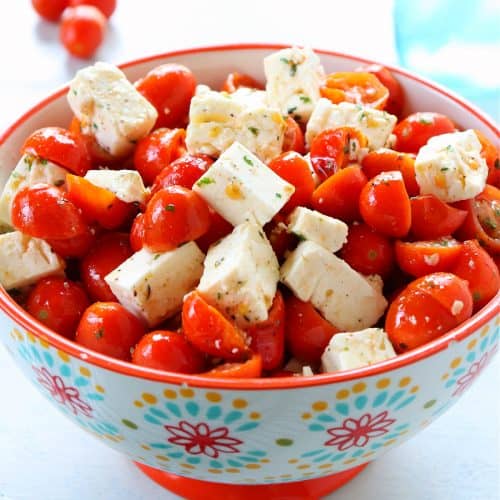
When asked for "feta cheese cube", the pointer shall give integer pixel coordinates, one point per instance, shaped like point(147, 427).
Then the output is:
point(311, 225)
point(217, 119)
point(127, 185)
point(450, 166)
point(152, 285)
point(24, 260)
point(356, 349)
point(110, 108)
point(240, 187)
point(241, 275)
point(294, 77)
point(30, 170)
point(343, 296)
point(376, 125)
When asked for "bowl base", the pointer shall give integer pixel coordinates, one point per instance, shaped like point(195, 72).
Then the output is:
point(195, 489)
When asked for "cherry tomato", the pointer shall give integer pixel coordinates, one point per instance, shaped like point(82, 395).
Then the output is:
point(50, 10)
point(490, 153)
point(367, 251)
point(249, 369)
point(419, 258)
point(169, 88)
point(426, 309)
point(479, 269)
point(75, 247)
point(268, 337)
point(137, 233)
point(107, 7)
point(35, 209)
point(277, 233)
point(157, 150)
point(432, 218)
point(385, 205)
point(110, 250)
point(294, 137)
point(235, 80)
point(415, 130)
point(219, 227)
point(357, 87)
point(108, 328)
point(59, 146)
point(307, 333)
point(169, 351)
point(210, 332)
point(292, 167)
point(59, 304)
point(338, 196)
point(82, 30)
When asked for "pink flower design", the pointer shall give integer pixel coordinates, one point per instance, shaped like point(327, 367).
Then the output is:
point(200, 439)
point(358, 432)
point(63, 394)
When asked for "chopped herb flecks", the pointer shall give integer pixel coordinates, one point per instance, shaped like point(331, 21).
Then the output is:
point(248, 160)
point(255, 131)
point(293, 65)
point(170, 207)
point(205, 180)
point(278, 195)
point(305, 99)
point(291, 110)
point(99, 334)
point(43, 314)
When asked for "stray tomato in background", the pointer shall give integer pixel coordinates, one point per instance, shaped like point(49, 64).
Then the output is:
point(294, 137)
point(50, 10)
point(491, 155)
point(249, 369)
point(219, 227)
point(75, 247)
point(137, 233)
point(107, 7)
point(236, 80)
point(277, 233)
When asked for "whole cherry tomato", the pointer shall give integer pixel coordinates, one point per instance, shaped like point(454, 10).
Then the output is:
point(50, 10)
point(58, 303)
point(294, 137)
point(107, 7)
point(219, 227)
point(277, 233)
point(137, 233)
point(491, 155)
point(235, 80)
point(75, 247)
point(248, 369)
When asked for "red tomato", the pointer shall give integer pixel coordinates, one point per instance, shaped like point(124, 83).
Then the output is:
point(108, 328)
point(479, 269)
point(491, 155)
point(169, 88)
point(75, 247)
point(169, 351)
point(277, 233)
point(82, 30)
point(210, 332)
point(111, 250)
point(292, 167)
point(174, 215)
point(219, 227)
point(268, 337)
point(338, 196)
point(59, 146)
point(294, 137)
point(384, 204)
point(107, 7)
point(426, 309)
point(367, 251)
point(249, 369)
point(157, 150)
point(307, 333)
point(137, 233)
point(235, 80)
point(36, 208)
point(50, 10)
point(59, 304)
point(432, 218)
point(415, 130)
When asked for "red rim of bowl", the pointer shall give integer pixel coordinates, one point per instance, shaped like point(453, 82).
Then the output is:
point(19, 315)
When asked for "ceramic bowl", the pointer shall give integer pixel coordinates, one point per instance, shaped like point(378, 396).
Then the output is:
point(282, 437)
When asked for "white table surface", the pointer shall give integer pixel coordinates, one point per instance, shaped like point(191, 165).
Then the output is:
point(42, 455)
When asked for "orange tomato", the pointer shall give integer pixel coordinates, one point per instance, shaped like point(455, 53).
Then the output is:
point(249, 369)
point(236, 80)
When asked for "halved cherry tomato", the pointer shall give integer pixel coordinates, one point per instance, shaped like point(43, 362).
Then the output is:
point(107, 7)
point(368, 251)
point(59, 146)
point(384, 204)
point(419, 258)
point(59, 304)
point(307, 333)
point(169, 351)
point(108, 328)
point(210, 332)
point(173, 216)
point(357, 87)
point(277, 233)
point(169, 88)
point(491, 155)
point(268, 337)
point(479, 269)
point(157, 150)
point(219, 227)
point(44, 211)
point(137, 233)
point(50, 10)
point(338, 196)
point(75, 247)
point(249, 369)
point(235, 80)
point(432, 218)
point(426, 309)
point(294, 137)
point(415, 130)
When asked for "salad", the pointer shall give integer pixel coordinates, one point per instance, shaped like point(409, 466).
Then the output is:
point(300, 226)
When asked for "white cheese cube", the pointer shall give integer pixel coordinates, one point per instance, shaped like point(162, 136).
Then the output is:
point(217, 119)
point(450, 166)
point(30, 170)
point(376, 125)
point(110, 108)
point(152, 285)
point(294, 77)
point(241, 275)
point(343, 296)
point(240, 187)
point(356, 349)
point(311, 225)
point(24, 260)
point(127, 185)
